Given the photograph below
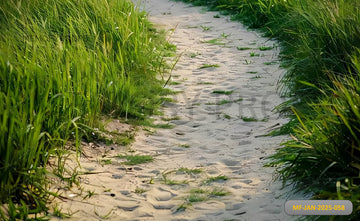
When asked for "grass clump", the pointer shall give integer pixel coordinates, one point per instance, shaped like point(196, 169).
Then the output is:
point(136, 159)
point(210, 66)
point(216, 179)
point(265, 48)
point(170, 118)
point(190, 171)
point(184, 145)
point(222, 92)
point(214, 41)
point(248, 119)
point(243, 48)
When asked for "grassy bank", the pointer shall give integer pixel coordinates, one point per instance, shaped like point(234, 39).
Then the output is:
point(62, 65)
point(320, 51)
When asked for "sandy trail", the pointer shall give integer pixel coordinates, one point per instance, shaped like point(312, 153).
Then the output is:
point(210, 133)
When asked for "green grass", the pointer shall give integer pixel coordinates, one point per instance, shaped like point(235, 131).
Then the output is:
point(136, 159)
point(243, 48)
point(226, 116)
point(175, 83)
point(140, 190)
point(222, 92)
point(270, 63)
point(205, 28)
point(214, 41)
point(194, 54)
point(253, 54)
point(248, 119)
point(265, 48)
point(170, 118)
point(190, 171)
point(215, 179)
point(210, 66)
point(184, 145)
point(64, 64)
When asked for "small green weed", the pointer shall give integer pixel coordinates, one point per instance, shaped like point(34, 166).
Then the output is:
point(270, 63)
point(248, 119)
point(184, 145)
point(194, 54)
point(170, 118)
point(222, 92)
point(190, 171)
point(265, 48)
point(209, 66)
point(243, 48)
point(196, 197)
point(214, 42)
point(205, 28)
point(227, 116)
point(140, 190)
point(175, 83)
point(215, 179)
point(223, 35)
point(136, 159)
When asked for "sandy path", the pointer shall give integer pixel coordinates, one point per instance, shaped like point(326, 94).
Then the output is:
point(208, 136)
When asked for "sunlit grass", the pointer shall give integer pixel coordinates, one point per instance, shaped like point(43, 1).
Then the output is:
point(63, 65)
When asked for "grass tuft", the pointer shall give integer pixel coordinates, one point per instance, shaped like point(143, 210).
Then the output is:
point(222, 92)
point(136, 159)
point(210, 66)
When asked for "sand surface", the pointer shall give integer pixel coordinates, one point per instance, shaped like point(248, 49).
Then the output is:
point(209, 134)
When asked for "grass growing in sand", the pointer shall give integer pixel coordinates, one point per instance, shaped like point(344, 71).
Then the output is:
point(136, 159)
point(172, 182)
point(190, 171)
point(215, 179)
point(210, 66)
point(205, 28)
point(265, 48)
point(222, 92)
point(170, 118)
point(243, 48)
point(248, 119)
point(200, 195)
point(184, 145)
point(214, 41)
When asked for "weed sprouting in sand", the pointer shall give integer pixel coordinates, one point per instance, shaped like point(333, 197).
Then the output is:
point(248, 119)
point(136, 159)
point(222, 92)
point(184, 145)
point(170, 118)
point(265, 48)
point(190, 171)
point(140, 190)
point(214, 41)
point(209, 66)
point(243, 48)
point(215, 179)
point(205, 28)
